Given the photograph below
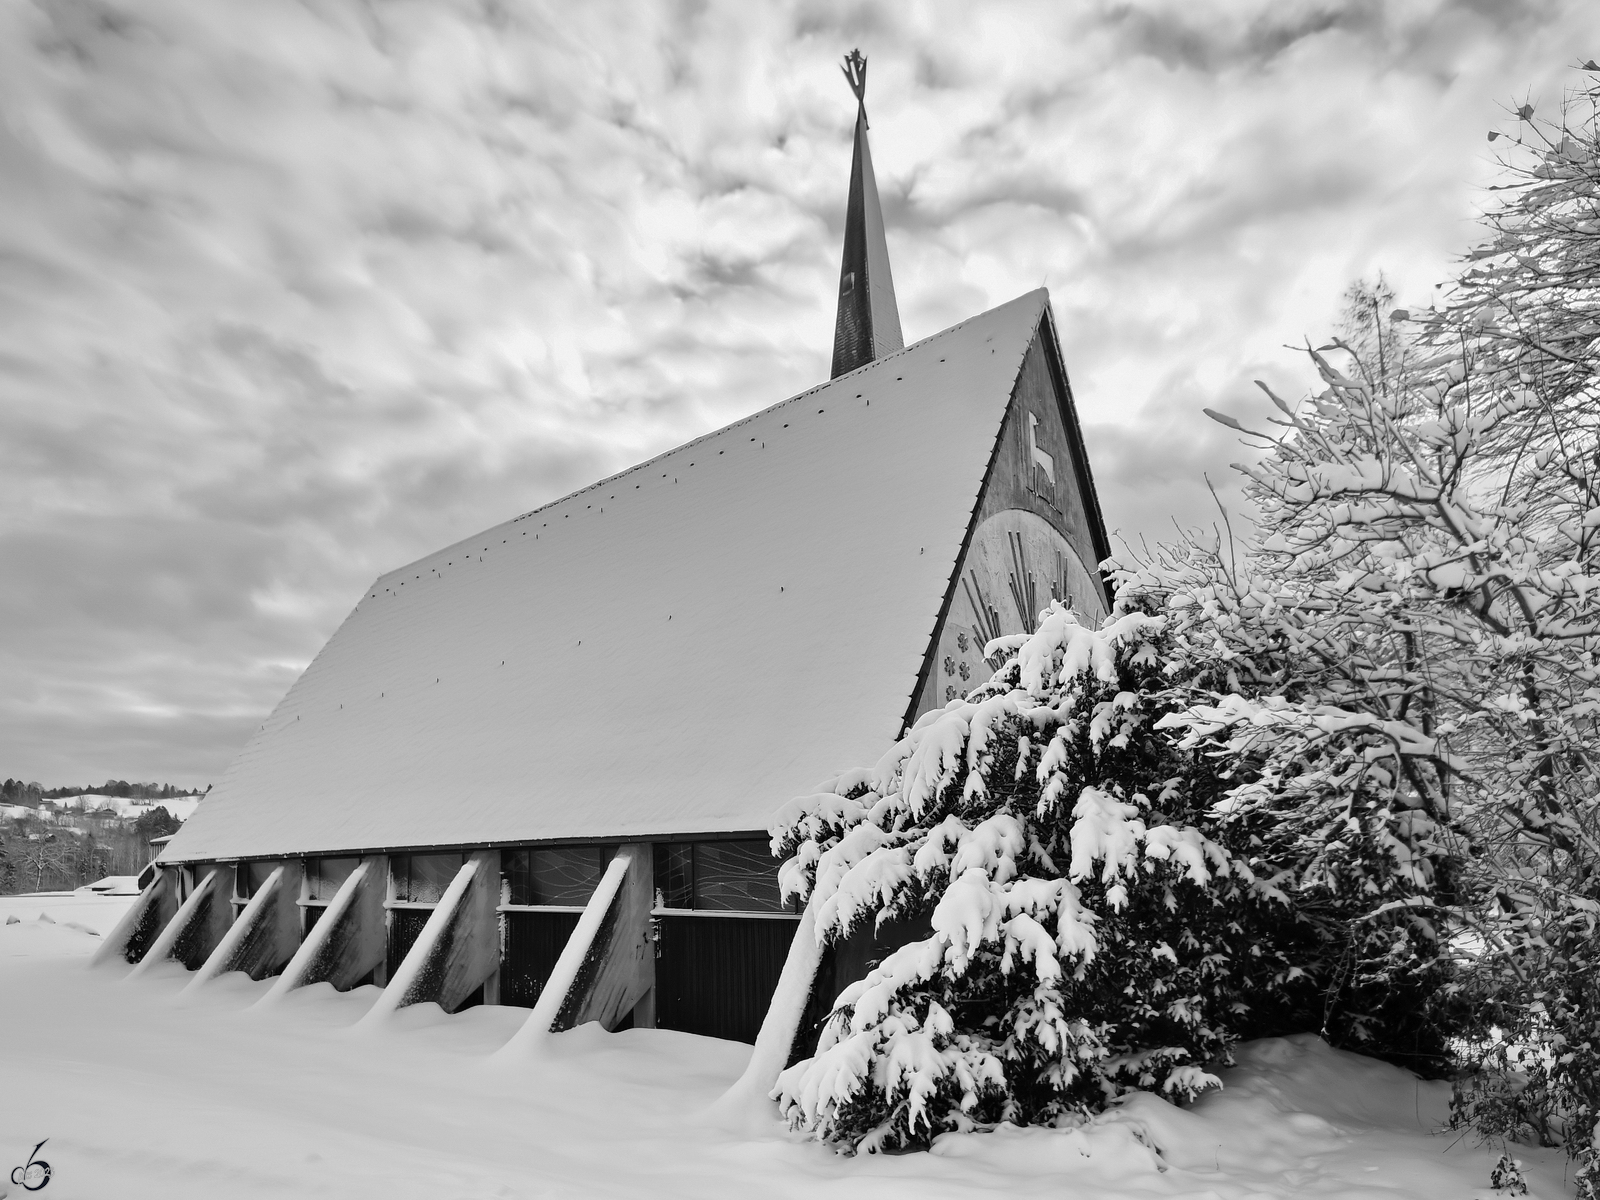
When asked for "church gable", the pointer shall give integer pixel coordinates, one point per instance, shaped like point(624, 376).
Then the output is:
point(1036, 533)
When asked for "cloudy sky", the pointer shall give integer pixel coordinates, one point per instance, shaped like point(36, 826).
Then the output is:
point(292, 293)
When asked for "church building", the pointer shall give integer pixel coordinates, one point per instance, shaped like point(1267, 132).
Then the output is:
point(538, 766)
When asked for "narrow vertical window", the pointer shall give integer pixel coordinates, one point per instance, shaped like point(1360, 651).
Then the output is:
point(674, 863)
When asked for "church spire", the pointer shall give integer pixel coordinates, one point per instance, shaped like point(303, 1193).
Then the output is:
point(868, 325)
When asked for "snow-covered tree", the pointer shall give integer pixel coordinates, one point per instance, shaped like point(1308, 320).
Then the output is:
point(1520, 332)
point(1077, 948)
point(1424, 560)
point(1107, 907)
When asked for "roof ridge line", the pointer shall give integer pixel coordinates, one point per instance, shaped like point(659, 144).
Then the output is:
point(704, 437)
point(745, 420)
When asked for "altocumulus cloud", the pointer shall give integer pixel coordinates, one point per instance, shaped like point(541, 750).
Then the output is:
point(291, 293)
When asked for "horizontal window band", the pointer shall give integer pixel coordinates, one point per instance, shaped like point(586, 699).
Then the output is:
point(610, 842)
point(736, 914)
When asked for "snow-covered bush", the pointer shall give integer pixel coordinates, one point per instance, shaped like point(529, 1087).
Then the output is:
point(1103, 918)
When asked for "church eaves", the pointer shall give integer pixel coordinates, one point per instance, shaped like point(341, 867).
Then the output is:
point(868, 324)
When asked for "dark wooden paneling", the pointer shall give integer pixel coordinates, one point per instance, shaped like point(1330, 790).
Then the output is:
point(405, 924)
point(532, 943)
point(843, 963)
point(716, 975)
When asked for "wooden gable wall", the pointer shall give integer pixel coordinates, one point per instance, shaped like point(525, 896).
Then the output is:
point(1055, 527)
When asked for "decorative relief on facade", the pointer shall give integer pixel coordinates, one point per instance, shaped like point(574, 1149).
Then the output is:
point(1016, 565)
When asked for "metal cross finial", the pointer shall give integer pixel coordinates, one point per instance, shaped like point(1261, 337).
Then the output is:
point(855, 72)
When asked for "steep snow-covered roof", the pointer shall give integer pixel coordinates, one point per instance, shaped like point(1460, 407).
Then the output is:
point(678, 649)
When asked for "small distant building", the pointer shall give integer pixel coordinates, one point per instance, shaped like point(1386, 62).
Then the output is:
point(112, 885)
point(151, 872)
point(642, 673)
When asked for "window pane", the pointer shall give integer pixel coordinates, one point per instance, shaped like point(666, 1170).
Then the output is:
point(735, 877)
point(564, 874)
point(674, 874)
point(249, 876)
point(514, 870)
point(328, 875)
point(423, 878)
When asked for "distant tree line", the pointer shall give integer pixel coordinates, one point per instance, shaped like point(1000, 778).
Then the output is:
point(15, 791)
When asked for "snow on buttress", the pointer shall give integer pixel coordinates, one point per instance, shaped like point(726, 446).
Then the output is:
point(678, 649)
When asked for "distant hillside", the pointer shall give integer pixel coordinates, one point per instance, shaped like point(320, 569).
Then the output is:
point(56, 843)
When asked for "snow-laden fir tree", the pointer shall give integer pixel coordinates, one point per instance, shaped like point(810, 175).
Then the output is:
point(1075, 947)
point(1103, 915)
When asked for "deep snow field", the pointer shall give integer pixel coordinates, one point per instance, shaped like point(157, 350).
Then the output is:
point(146, 1093)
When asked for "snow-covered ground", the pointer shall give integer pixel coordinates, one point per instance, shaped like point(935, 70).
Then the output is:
point(144, 1092)
point(52, 925)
